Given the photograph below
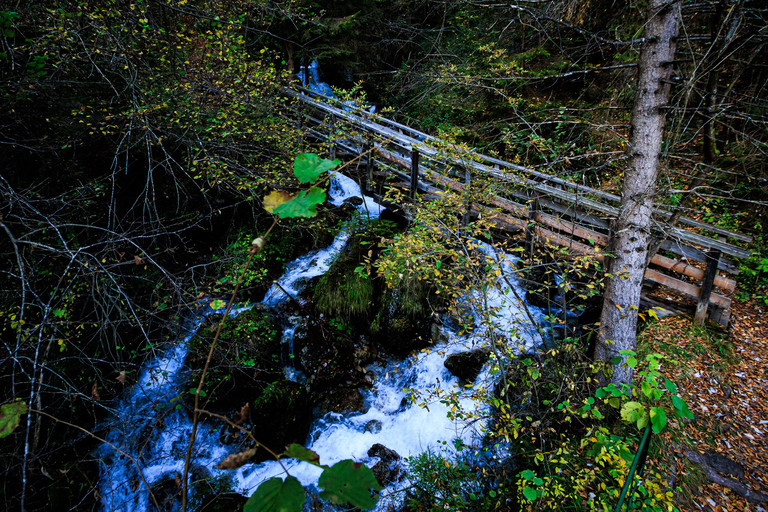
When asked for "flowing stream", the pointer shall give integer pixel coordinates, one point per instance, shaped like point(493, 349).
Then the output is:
point(151, 431)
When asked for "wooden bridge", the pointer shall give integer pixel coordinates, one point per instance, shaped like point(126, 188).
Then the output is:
point(547, 208)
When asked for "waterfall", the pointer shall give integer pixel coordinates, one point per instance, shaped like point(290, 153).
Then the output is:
point(151, 429)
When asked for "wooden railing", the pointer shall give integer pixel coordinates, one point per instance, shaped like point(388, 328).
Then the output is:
point(550, 208)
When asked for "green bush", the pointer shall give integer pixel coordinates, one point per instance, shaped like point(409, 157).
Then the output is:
point(448, 483)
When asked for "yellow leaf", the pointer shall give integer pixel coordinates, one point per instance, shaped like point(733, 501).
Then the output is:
point(276, 198)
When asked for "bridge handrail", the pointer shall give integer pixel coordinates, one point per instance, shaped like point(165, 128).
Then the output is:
point(417, 140)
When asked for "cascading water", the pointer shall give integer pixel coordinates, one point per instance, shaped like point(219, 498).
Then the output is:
point(152, 432)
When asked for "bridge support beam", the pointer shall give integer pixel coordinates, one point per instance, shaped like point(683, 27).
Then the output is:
point(713, 258)
point(369, 165)
point(530, 235)
point(468, 202)
point(414, 173)
point(332, 137)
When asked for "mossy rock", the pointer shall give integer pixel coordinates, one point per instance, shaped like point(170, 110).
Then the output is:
point(344, 293)
point(246, 359)
point(403, 322)
point(331, 357)
point(281, 415)
point(345, 400)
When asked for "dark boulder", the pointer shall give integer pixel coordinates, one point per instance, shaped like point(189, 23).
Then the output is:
point(343, 401)
point(354, 200)
point(467, 365)
point(373, 426)
point(331, 357)
point(389, 468)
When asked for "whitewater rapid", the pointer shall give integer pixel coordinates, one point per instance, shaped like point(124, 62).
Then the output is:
point(408, 399)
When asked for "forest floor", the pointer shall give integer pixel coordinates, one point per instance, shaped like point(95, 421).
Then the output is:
point(722, 375)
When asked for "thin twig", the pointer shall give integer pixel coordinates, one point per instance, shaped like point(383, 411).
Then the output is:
point(101, 440)
point(246, 432)
point(195, 417)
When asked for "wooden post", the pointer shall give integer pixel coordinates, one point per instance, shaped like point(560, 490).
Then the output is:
point(414, 173)
point(331, 135)
point(713, 258)
point(369, 165)
point(301, 126)
point(468, 201)
point(533, 206)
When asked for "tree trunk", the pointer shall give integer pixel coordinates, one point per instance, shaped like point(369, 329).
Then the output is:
point(631, 230)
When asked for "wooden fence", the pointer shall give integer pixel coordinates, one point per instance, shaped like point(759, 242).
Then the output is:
point(549, 208)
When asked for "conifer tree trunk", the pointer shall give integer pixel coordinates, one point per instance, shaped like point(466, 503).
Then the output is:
point(631, 230)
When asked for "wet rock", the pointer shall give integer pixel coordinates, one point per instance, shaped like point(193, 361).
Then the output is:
point(348, 208)
point(342, 401)
point(330, 357)
point(541, 286)
point(401, 335)
point(396, 215)
point(374, 427)
point(437, 334)
point(354, 200)
point(389, 468)
point(167, 490)
point(467, 365)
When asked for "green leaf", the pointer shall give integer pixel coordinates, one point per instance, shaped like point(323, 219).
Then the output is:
point(277, 495)
point(615, 391)
point(10, 417)
point(217, 304)
point(615, 360)
point(528, 475)
point(303, 205)
point(658, 419)
point(671, 387)
point(632, 411)
point(298, 452)
point(59, 312)
point(308, 167)
point(646, 387)
point(348, 482)
point(631, 362)
point(642, 422)
point(529, 493)
point(275, 199)
point(681, 407)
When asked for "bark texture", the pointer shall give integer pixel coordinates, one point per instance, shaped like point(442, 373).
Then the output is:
point(632, 228)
